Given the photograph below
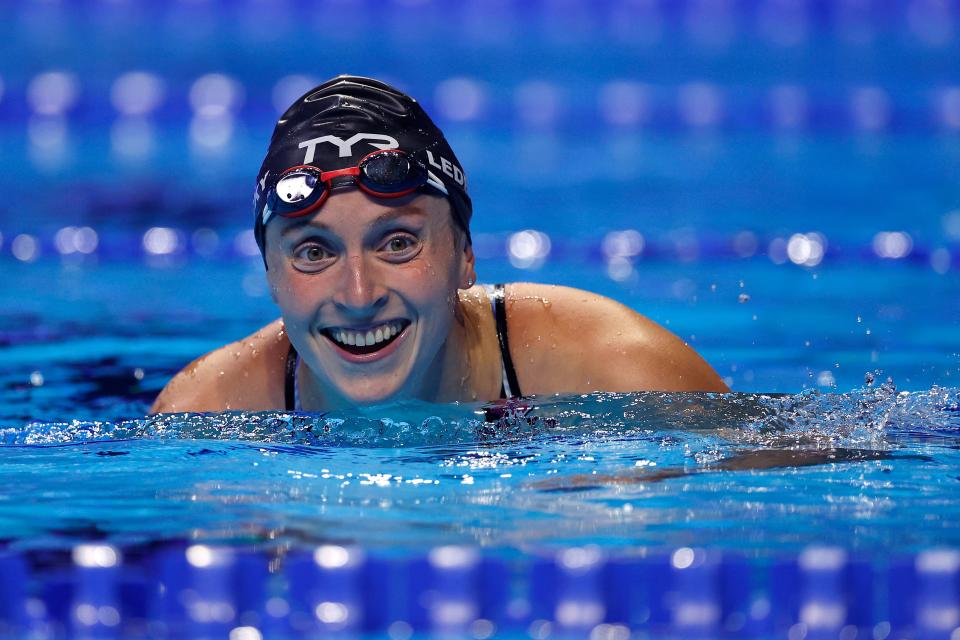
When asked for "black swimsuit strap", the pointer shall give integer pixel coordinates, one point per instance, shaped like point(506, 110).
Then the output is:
point(290, 380)
point(500, 315)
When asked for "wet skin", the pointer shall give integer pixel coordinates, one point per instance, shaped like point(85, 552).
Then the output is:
point(360, 262)
point(357, 265)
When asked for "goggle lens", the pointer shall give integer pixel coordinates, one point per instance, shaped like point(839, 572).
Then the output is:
point(297, 186)
point(389, 172)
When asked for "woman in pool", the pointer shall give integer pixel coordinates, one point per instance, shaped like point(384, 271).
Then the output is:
point(362, 217)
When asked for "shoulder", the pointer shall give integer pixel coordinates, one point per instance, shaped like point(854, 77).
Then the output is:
point(569, 340)
point(244, 375)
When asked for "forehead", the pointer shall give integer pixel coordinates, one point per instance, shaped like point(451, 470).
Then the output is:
point(352, 210)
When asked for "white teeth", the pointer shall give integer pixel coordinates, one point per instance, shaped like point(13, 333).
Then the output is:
point(366, 338)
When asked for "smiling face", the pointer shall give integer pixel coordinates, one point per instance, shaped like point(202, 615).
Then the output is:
point(368, 291)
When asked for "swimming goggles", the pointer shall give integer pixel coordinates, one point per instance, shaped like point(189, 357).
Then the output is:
point(386, 173)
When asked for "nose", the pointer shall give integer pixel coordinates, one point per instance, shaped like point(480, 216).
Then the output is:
point(360, 292)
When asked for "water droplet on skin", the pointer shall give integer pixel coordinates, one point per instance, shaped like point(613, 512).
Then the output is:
point(236, 355)
point(222, 373)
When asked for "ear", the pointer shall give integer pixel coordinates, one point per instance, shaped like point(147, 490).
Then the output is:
point(468, 272)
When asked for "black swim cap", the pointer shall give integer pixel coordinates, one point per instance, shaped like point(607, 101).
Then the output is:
point(337, 123)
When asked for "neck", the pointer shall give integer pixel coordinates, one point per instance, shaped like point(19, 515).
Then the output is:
point(450, 377)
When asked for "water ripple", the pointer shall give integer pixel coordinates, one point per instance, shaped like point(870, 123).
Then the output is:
point(877, 416)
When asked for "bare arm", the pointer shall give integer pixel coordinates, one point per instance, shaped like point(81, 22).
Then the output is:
point(247, 374)
point(185, 392)
point(566, 340)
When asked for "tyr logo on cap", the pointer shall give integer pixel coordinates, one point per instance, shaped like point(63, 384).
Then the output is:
point(376, 140)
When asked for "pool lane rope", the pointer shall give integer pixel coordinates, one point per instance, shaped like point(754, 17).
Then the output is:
point(197, 590)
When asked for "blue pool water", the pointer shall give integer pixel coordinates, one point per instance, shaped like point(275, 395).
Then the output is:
point(776, 182)
point(619, 471)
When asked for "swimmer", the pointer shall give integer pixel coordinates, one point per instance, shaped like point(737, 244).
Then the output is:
point(362, 217)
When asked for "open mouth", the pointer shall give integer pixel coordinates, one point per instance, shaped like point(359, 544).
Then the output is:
point(365, 341)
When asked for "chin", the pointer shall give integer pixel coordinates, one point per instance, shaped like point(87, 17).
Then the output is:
point(372, 394)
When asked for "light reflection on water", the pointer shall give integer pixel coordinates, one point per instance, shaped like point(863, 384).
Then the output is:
point(870, 468)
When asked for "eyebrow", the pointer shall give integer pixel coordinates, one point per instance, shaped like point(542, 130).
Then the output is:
point(386, 217)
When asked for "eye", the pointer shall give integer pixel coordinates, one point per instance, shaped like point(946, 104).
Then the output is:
point(313, 253)
point(399, 243)
point(311, 256)
point(401, 246)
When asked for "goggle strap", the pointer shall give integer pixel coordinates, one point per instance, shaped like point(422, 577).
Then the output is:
point(336, 173)
point(325, 178)
point(436, 183)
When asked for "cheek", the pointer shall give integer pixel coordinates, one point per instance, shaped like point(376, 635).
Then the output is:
point(444, 265)
point(434, 270)
point(291, 293)
point(434, 284)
